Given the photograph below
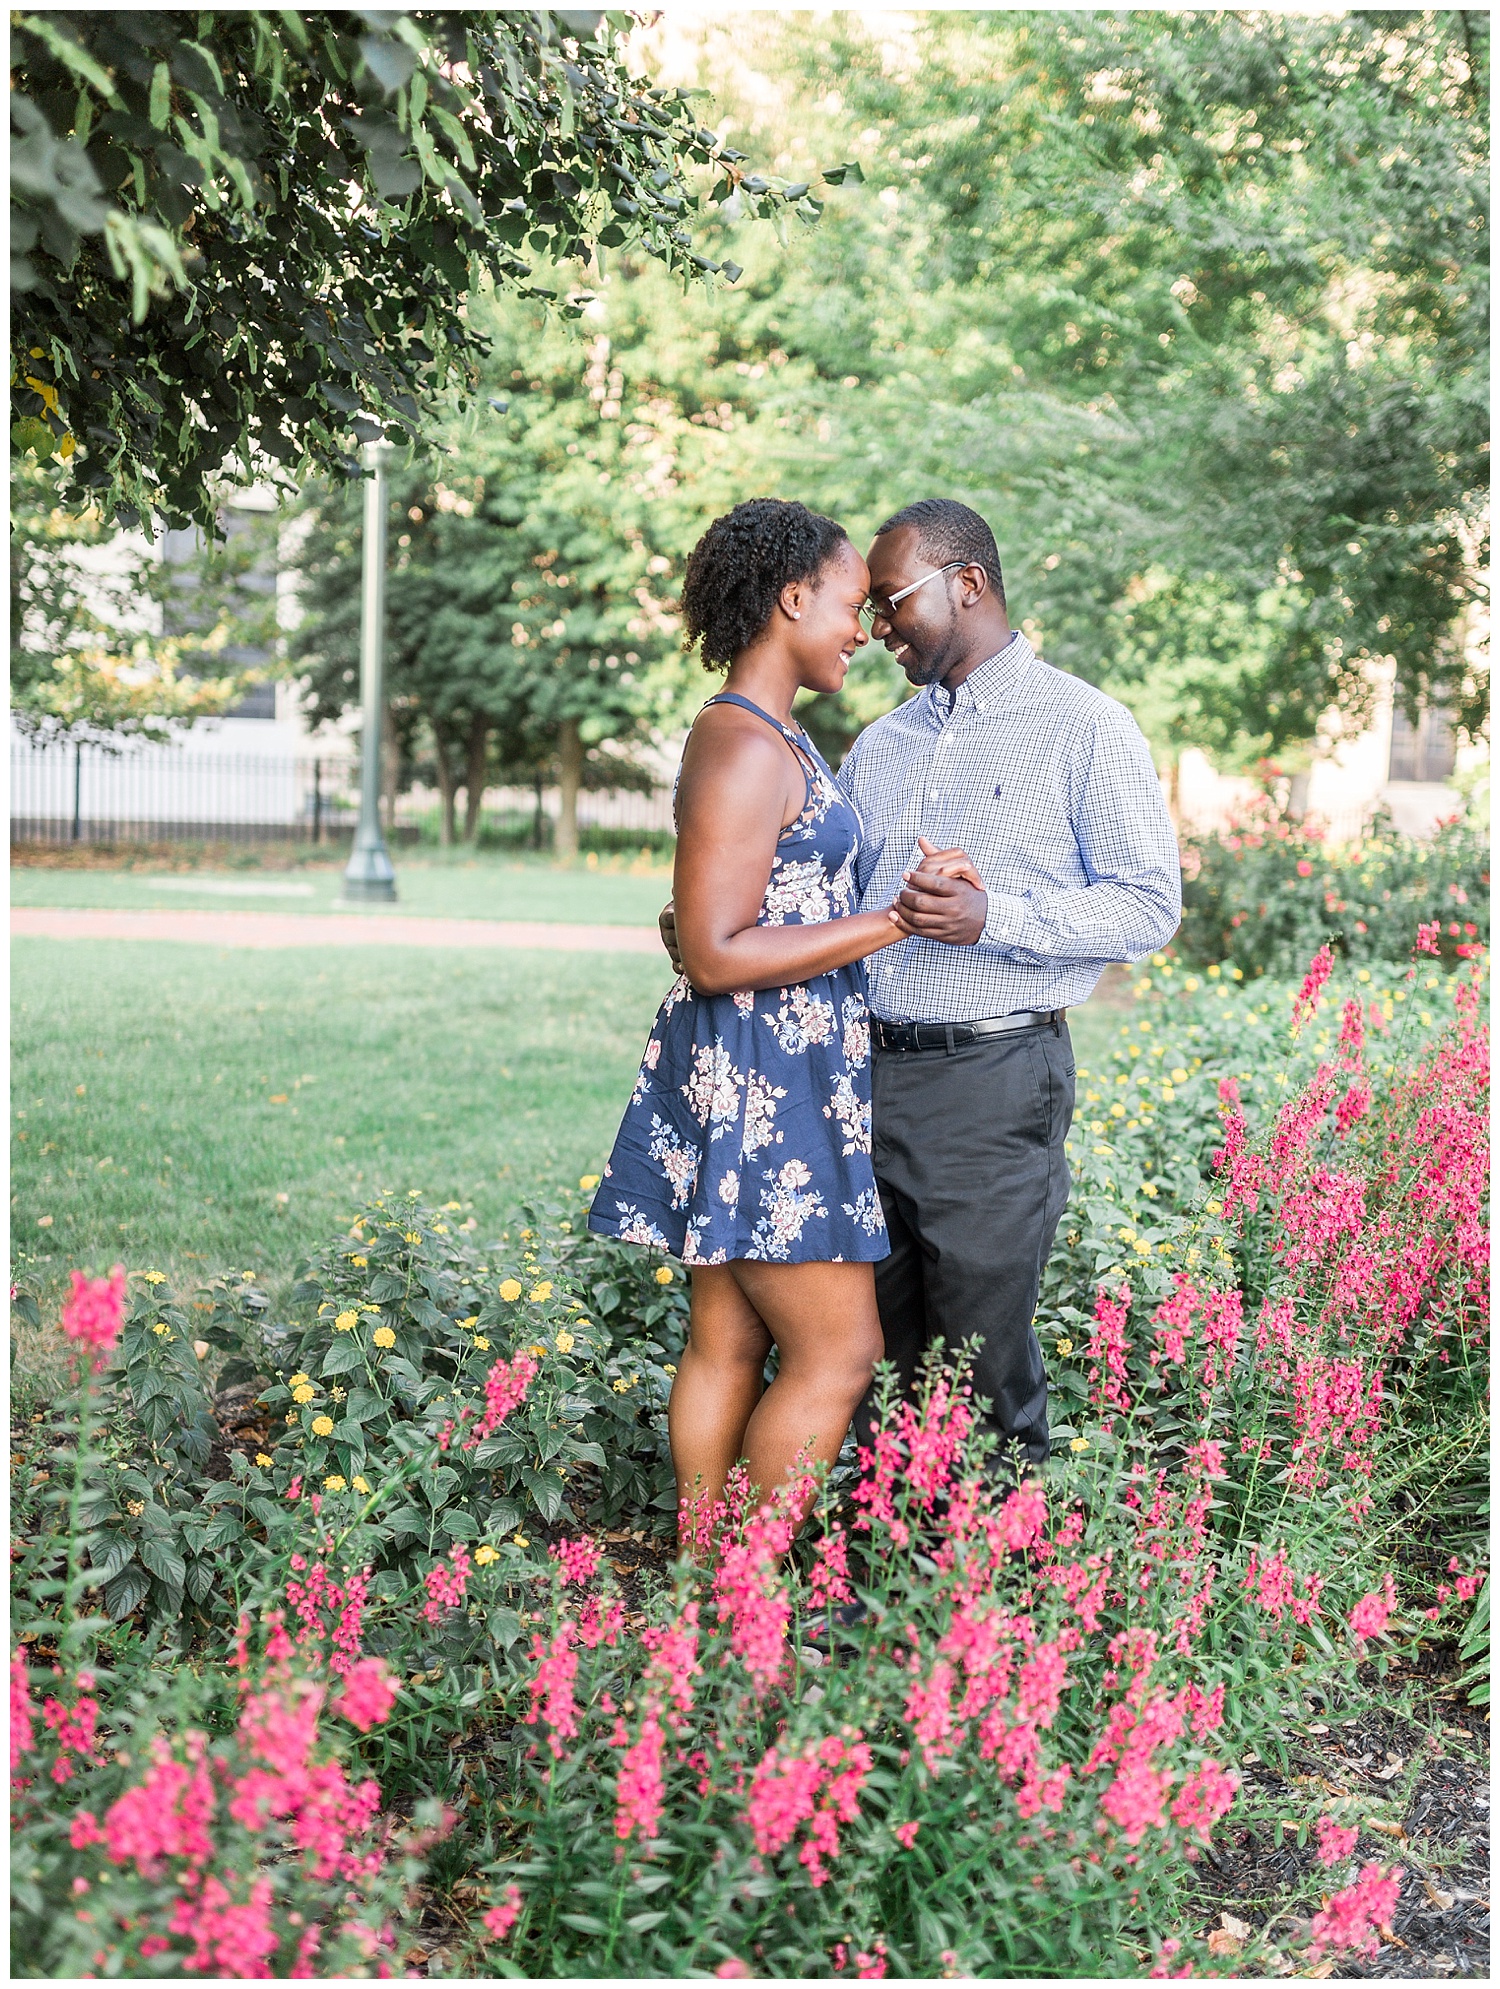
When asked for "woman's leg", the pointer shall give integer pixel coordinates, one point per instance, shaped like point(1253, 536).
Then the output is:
point(719, 1381)
point(827, 1330)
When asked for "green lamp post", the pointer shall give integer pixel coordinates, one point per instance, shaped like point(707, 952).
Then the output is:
point(370, 877)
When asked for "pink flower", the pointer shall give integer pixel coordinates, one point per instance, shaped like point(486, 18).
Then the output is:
point(828, 1583)
point(1202, 1800)
point(368, 1695)
point(1304, 868)
point(1427, 937)
point(871, 1967)
point(505, 1389)
point(499, 1920)
point(578, 1559)
point(1335, 1843)
point(552, 1687)
point(1370, 1614)
point(734, 1970)
point(21, 1736)
point(1305, 1007)
point(93, 1314)
point(639, 1791)
point(1349, 1921)
point(818, 1786)
point(445, 1586)
point(905, 1834)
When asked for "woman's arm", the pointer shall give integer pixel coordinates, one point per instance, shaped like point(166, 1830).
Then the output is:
point(740, 785)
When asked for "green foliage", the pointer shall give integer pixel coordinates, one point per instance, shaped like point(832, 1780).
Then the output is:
point(1474, 1650)
point(196, 293)
point(1268, 893)
point(1191, 307)
point(85, 660)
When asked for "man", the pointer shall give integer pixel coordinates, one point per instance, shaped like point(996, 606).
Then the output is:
point(1048, 788)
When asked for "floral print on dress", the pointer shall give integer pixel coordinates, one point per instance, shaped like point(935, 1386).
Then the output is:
point(747, 1134)
point(802, 1019)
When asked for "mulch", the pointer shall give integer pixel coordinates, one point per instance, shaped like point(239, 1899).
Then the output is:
point(1417, 1784)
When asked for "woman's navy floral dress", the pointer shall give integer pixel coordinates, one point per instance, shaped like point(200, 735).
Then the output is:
point(748, 1132)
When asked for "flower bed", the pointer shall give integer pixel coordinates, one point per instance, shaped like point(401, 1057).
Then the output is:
point(1266, 893)
point(413, 1672)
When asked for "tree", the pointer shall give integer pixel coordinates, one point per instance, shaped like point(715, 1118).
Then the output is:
point(107, 640)
point(529, 620)
point(1192, 306)
point(241, 237)
point(1243, 257)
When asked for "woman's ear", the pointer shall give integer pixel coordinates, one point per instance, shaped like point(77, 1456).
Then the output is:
point(791, 601)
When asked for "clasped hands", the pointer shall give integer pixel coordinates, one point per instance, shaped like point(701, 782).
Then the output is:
point(943, 898)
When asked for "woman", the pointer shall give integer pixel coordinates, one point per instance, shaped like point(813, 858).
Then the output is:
point(745, 1149)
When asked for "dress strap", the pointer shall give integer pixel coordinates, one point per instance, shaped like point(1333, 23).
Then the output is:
point(804, 760)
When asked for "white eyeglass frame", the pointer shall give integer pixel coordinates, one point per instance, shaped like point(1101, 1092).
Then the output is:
point(884, 614)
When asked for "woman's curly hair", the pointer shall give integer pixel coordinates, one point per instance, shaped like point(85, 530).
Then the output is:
point(737, 570)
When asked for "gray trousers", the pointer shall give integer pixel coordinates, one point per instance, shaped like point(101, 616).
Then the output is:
point(973, 1177)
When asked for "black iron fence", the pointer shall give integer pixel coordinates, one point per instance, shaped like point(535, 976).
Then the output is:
point(66, 792)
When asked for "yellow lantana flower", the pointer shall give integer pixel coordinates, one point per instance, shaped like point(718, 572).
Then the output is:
point(346, 1322)
point(565, 1343)
point(360, 1263)
point(664, 1275)
point(322, 1426)
point(303, 1394)
point(298, 1379)
point(588, 1180)
point(481, 1343)
point(472, 1320)
point(510, 1291)
point(262, 1460)
point(335, 1482)
point(160, 1277)
point(1079, 1443)
point(359, 1485)
point(384, 1337)
point(161, 1327)
point(542, 1292)
point(520, 1539)
point(1064, 1348)
point(483, 1556)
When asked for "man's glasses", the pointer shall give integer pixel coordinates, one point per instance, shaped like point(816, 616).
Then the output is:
point(883, 611)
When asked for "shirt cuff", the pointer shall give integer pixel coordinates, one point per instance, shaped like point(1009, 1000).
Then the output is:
point(1004, 921)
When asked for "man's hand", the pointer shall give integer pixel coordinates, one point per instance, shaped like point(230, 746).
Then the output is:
point(666, 925)
point(943, 899)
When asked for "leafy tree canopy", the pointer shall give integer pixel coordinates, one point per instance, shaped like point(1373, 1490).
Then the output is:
point(242, 237)
point(1191, 306)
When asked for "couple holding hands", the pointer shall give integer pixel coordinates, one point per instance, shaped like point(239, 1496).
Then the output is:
point(849, 1121)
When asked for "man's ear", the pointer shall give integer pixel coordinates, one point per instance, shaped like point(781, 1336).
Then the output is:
point(975, 582)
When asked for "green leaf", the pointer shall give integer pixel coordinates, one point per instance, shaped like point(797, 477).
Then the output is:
point(459, 1524)
point(68, 52)
point(838, 175)
point(126, 1592)
point(389, 62)
point(165, 1562)
point(161, 96)
point(343, 1356)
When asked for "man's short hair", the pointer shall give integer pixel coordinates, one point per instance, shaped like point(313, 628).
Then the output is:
point(948, 530)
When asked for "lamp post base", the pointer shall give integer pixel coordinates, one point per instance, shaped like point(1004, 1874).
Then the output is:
point(369, 878)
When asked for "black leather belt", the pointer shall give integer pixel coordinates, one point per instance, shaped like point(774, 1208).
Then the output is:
point(953, 1035)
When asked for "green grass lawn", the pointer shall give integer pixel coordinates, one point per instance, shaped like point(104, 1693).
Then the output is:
point(614, 892)
point(144, 1080)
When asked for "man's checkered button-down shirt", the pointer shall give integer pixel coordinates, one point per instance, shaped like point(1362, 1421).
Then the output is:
point(1049, 787)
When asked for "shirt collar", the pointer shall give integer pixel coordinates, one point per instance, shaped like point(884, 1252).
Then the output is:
point(987, 684)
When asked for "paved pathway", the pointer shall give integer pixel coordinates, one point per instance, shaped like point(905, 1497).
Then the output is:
point(262, 929)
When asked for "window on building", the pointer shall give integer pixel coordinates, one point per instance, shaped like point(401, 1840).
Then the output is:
point(182, 549)
point(1424, 751)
